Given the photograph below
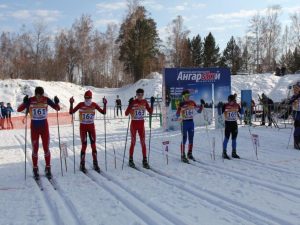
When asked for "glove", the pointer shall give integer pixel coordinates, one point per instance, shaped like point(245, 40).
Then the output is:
point(104, 101)
point(26, 100)
point(130, 101)
point(152, 100)
point(56, 100)
point(71, 100)
point(202, 102)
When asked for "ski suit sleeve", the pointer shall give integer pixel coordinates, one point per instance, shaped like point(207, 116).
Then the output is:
point(198, 107)
point(23, 106)
point(149, 109)
point(223, 108)
point(53, 105)
point(178, 110)
point(128, 110)
point(102, 111)
point(78, 106)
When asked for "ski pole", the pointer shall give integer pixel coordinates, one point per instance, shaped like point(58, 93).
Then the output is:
point(26, 113)
point(73, 141)
point(150, 124)
point(125, 142)
point(61, 166)
point(105, 134)
point(105, 142)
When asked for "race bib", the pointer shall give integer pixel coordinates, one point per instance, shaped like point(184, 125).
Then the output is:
point(139, 114)
point(87, 117)
point(39, 113)
point(188, 114)
point(232, 116)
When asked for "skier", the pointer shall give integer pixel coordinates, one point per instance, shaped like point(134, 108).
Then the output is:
point(295, 101)
point(118, 105)
point(186, 111)
point(37, 107)
point(87, 126)
point(9, 110)
point(3, 113)
point(267, 104)
point(136, 108)
point(230, 111)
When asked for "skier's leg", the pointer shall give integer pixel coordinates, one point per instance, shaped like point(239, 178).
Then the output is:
point(45, 141)
point(226, 139)
point(35, 146)
point(297, 134)
point(133, 131)
point(83, 138)
point(191, 139)
point(141, 132)
point(234, 133)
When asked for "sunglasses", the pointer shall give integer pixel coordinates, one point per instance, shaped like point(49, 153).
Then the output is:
point(186, 95)
point(87, 97)
point(139, 94)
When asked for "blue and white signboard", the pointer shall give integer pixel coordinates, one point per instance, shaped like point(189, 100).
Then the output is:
point(213, 85)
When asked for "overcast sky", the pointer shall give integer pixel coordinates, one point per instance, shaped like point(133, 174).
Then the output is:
point(223, 18)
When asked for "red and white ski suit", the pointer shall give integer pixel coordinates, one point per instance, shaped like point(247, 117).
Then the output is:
point(38, 111)
point(87, 126)
point(137, 111)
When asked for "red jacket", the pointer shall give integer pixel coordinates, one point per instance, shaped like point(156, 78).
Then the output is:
point(137, 109)
point(87, 112)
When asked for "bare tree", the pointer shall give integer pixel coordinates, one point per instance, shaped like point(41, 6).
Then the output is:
point(295, 28)
point(177, 42)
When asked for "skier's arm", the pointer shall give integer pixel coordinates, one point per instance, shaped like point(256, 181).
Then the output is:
point(149, 109)
point(102, 111)
point(71, 111)
point(223, 108)
point(52, 104)
point(129, 107)
point(24, 105)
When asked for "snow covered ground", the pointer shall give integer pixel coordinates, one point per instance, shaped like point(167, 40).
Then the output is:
point(245, 191)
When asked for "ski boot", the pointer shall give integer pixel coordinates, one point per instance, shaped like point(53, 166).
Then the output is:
point(82, 168)
point(145, 164)
point(131, 163)
point(234, 155)
point(48, 173)
point(184, 159)
point(190, 156)
point(35, 171)
point(96, 167)
point(224, 155)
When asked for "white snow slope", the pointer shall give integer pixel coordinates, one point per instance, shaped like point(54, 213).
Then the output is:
point(245, 191)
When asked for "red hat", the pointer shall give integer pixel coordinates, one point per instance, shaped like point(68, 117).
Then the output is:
point(88, 94)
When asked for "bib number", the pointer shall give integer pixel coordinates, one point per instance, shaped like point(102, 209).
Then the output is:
point(139, 114)
point(87, 117)
point(188, 114)
point(232, 116)
point(39, 113)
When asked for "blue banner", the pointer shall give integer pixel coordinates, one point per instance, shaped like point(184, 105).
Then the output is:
point(203, 83)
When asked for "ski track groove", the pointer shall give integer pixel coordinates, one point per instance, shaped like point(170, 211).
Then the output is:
point(241, 176)
point(167, 217)
point(244, 211)
point(214, 199)
point(135, 210)
point(47, 192)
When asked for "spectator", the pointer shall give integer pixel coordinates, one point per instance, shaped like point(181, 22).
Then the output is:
point(9, 110)
point(118, 106)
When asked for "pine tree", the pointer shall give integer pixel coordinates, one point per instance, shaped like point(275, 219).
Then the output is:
point(138, 39)
point(196, 47)
point(232, 56)
point(210, 51)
